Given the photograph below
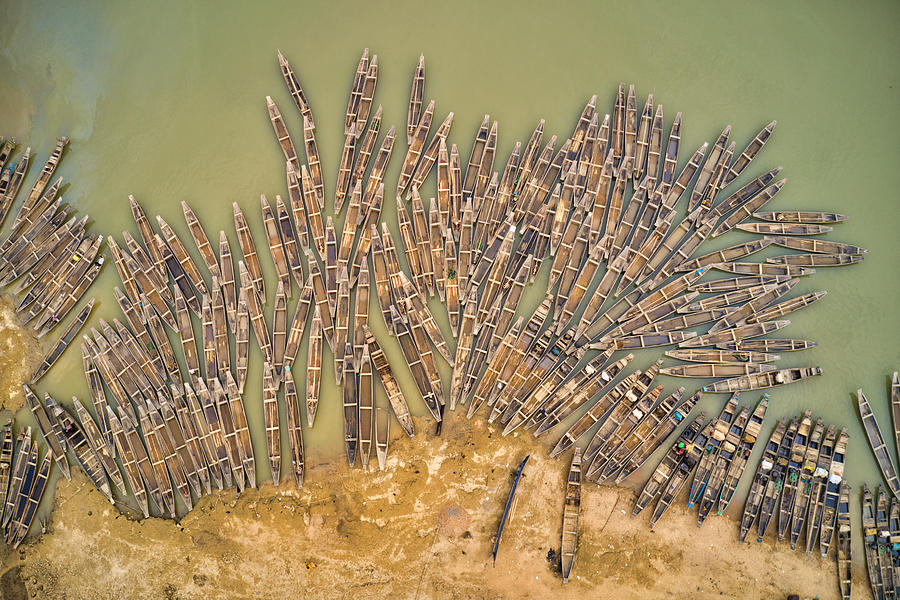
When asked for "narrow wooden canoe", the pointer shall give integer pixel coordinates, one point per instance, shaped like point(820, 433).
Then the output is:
point(816, 246)
point(816, 260)
point(876, 442)
point(763, 269)
point(416, 94)
point(65, 339)
point(784, 228)
point(704, 355)
point(571, 511)
point(242, 339)
point(391, 387)
point(382, 435)
point(279, 334)
point(248, 250)
point(762, 380)
point(276, 248)
point(415, 150)
point(294, 88)
point(742, 161)
point(798, 216)
point(289, 241)
point(356, 92)
point(366, 406)
point(270, 412)
point(201, 240)
point(294, 427)
point(257, 318)
point(429, 155)
point(747, 207)
point(716, 370)
point(845, 538)
point(768, 345)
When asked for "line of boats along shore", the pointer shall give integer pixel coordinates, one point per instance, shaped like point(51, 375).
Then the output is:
point(607, 211)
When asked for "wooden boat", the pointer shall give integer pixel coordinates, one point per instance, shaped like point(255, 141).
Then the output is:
point(77, 442)
point(50, 430)
point(366, 406)
point(351, 406)
point(279, 334)
point(220, 446)
point(298, 325)
point(276, 248)
point(382, 435)
point(239, 416)
point(22, 448)
point(26, 210)
point(748, 154)
point(691, 455)
point(870, 544)
point(845, 538)
point(242, 339)
point(414, 361)
point(181, 254)
point(270, 412)
point(294, 88)
point(735, 334)
point(7, 446)
point(452, 283)
point(364, 152)
point(642, 146)
point(312, 160)
point(816, 246)
point(6, 151)
point(320, 296)
point(220, 331)
point(711, 451)
point(763, 380)
point(295, 429)
point(464, 344)
point(786, 307)
point(341, 320)
point(416, 148)
point(792, 474)
point(876, 442)
point(416, 94)
point(831, 517)
point(314, 366)
point(742, 455)
point(193, 415)
point(98, 443)
point(186, 334)
point(417, 330)
point(179, 276)
point(506, 511)
point(65, 339)
point(382, 278)
point(22, 521)
point(211, 367)
point(368, 95)
point(20, 500)
point(429, 155)
point(701, 192)
point(885, 560)
point(422, 238)
point(201, 240)
point(229, 432)
point(248, 250)
point(804, 485)
point(784, 228)
point(761, 479)
point(191, 436)
point(172, 459)
point(495, 365)
point(391, 387)
point(740, 316)
point(819, 483)
point(571, 511)
point(331, 265)
point(797, 216)
point(716, 370)
point(702, 355)
point(15, 183)
point(257, 318)
point(437, 251)
point(179, 439)
point(816, 260)
point(738, 283)
point(356, 92)
point(768, 345)
point(376, 175)
point(668, 465)
point(310, 206)
point(729, 254)
point(410, 246)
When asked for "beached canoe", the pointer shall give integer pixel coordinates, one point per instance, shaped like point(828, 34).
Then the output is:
point(761, 479)
point(834, 490)
point(845, 539)
point(571, 511)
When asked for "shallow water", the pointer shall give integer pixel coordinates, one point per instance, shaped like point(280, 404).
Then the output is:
point(167, 102)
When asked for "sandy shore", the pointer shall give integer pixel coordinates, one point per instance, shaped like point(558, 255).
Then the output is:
point(423, 528)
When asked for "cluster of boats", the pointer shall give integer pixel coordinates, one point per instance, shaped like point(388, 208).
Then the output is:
point(798, 486)
point(881, 520)
point(607, 210)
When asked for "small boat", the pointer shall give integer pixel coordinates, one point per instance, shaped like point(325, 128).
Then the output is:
point(804, 486)
point(816, 260)
point(43, 179)
point(366, 406)
point(7, 446)
point(364, 152)
point(248, 250)
point(816, 246)
point(845, 539)
point(763, 380)
point(312, 160)
point(700, 192)
point(748, 154)
point(465, 342)
point(23, 492)
point(630, 132)
point(192, 438)
point(876, 442)
point(179, 278)
point(716, 370)
point(773, 488)
point(797, 216)
point(761, 479)
point(313, 211)
point(768, 345)
point(437, 251)
point(738, 283)
point(571, 511)
point(792, 474)
point(331, 265)
point(16, 473)
point(382, 435)
point(169, 451)
point(211, 367)
point(229, 432)
point(416, 148)
point(356, 92)
point(763, 269)
point(219, 444)
point(276, 248)
point(257, 318)
point(816, 510)
point(391, 387)
point(643, 143)
point(834, 489)
point(186, 334)
point(270, 412)
point(220, 332)
point(368, 95)
point(415, 363)
point(711, 450)
point(184, 258)
point(314, 366)
point(704, 355)
point(895, 407)
point(509, 501)
point(870, 544)
point(652, 340)
point(298, 325)
point(429, 155)
point(729, 254)
point(294, 88)
point(784, 228)
point(741, 316)
point(23, 521)
point(351, 406)
point(239, 416)
point(6, 151)
point(294, 427)
point(885, 559)
point(201, 240)
point(179, 439)
point(65, 339)
point(422, 238)
point(416, 94)
point(684, 321)
point(279, 334)
point(77, 442)
point(452, 283)
point(742, 455)
point(735, 334)
point(376, 175)
point(98, 444)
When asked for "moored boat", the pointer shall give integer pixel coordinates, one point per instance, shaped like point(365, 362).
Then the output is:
point(876, 442)
point(761, 479)
point(571, 511)
point(763, 380)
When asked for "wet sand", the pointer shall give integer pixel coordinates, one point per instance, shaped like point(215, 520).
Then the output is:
point(423, 528)
point(20, 353)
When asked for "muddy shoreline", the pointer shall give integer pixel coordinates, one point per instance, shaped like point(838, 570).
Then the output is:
point(423, 528)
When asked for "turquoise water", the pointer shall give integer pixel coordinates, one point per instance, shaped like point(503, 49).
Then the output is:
point(167, 102)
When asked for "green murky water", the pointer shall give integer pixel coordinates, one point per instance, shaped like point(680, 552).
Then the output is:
point(167, 102)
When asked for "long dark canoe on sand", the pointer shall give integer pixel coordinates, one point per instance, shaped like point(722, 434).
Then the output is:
point(16, 472)
point(509, 501)
point(68, 335)
point(24, 521)
point(876, 441)
point(845, 538)
point(570, 516)
point(761, 381)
